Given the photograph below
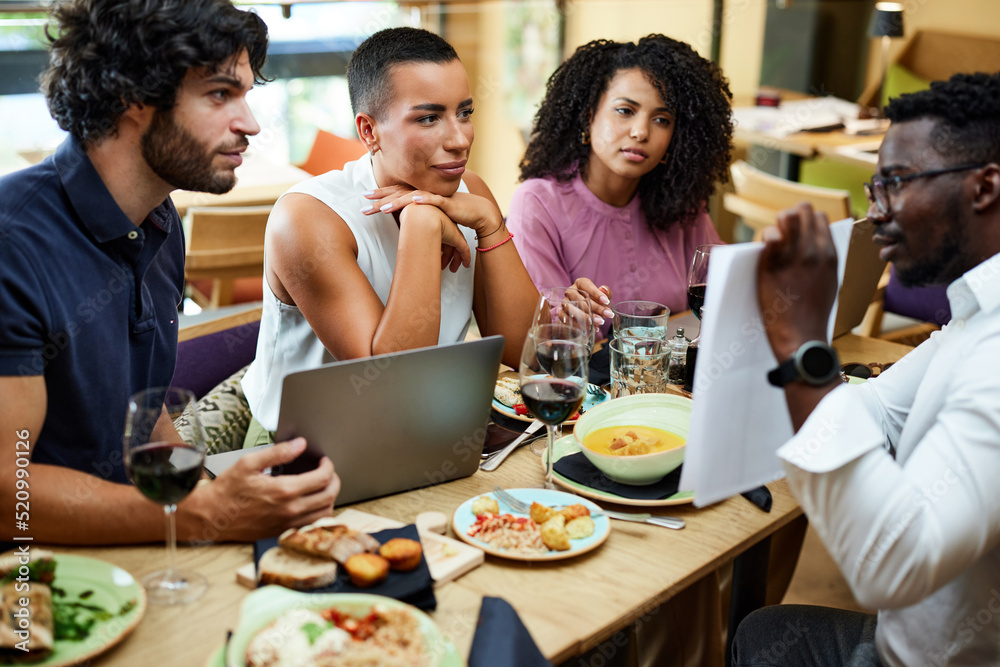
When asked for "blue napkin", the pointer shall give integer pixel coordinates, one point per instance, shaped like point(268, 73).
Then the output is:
point(415, 587)
point(599, 371)
point(501, 640)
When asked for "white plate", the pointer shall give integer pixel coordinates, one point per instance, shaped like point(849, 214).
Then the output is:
point(589, 401)
point(463, 519)
point(568, 445)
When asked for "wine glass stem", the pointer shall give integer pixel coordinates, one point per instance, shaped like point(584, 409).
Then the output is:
point(171, 511)
point(550, 450)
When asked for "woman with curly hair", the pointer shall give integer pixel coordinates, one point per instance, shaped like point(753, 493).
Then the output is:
point(627, 146)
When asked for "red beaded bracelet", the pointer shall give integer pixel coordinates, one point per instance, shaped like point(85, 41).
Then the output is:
point(498, 244)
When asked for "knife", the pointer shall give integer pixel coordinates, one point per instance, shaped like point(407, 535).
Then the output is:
point(494, 460)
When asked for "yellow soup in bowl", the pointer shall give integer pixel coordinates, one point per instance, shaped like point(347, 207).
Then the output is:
point(631, 440)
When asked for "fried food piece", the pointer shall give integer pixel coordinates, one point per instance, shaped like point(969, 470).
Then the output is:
point(403, 554)
point(554, 534)
point(484, 505)
point(580, 527)
point(573, 511)
point(366, 569)
point(508, 391)
point(541, 513)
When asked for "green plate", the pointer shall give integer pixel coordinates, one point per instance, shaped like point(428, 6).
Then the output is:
point(568, 445)
point(112, 587)
point(265, 604)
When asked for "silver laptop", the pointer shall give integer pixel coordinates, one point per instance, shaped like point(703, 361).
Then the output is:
point(397, 421)
point(861, 276)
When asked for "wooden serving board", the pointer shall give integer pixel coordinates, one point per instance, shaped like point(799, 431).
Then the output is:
point(447, 558)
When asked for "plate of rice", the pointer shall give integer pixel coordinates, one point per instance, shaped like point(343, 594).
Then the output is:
point(279, 627)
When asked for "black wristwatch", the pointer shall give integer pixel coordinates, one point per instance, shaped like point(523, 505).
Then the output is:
point(814, 363)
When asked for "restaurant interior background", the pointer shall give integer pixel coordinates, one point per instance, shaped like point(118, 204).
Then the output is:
point(509, 48)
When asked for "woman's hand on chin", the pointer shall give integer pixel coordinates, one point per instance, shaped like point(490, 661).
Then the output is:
point(465, 209)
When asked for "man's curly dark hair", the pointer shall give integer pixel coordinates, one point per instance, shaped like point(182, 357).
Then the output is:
point(695, 92)
point(967, 110)
point(107, 55)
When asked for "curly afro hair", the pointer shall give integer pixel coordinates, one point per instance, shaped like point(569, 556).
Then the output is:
point(110, 54)
point(694, 91)
point(967, 108)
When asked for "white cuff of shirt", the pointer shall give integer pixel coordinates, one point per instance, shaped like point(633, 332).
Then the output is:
point(838, 431)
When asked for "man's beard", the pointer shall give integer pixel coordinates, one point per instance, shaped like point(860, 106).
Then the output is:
point(177, 157)
point(948, 262)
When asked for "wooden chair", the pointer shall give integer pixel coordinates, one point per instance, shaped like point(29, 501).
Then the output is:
point(759, 197)
point(224, 243)
point(330, 151)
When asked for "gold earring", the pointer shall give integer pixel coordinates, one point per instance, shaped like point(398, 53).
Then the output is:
point(585, 137)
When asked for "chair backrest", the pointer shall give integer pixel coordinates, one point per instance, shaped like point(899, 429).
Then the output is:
point(330, 151)
point(226, 242)
point(759, 197)
point(935, 56)
point(210, 352)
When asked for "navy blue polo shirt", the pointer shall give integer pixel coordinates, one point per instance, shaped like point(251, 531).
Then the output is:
point(88, 300)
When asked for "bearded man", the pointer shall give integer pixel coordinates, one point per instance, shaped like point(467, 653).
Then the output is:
point(153, 96)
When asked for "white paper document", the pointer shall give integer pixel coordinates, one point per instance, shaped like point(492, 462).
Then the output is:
point(796, 115)
point(738, 420)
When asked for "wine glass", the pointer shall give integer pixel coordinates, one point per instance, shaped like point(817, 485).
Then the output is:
point(165, 471)
point(698, 277)
point(564, 305)
point(553, 376)
point(697, 283)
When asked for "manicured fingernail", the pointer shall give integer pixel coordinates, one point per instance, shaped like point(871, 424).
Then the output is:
point(365, 209)
point(417, 198)
point(385, 207)
point(369, 193)
point(609, 313)
point(598, 320)
point(605, 300)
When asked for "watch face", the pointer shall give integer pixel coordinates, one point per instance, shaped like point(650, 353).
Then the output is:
point(818, 362)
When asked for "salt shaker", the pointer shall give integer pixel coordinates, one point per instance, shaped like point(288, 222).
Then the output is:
point(678, 357)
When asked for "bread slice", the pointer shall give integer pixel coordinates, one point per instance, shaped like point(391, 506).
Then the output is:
point(295, 570)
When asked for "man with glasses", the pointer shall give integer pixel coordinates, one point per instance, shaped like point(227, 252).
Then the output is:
point(917, 533)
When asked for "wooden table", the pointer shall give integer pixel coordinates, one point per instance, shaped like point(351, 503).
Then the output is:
point(568, 606)
point(259, 182)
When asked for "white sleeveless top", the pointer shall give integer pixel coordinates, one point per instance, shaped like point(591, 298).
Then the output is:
point(286, 342)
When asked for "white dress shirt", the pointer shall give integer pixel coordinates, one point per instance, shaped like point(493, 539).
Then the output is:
point(917, 536)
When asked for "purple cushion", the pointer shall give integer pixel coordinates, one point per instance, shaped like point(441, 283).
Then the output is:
point(206, 361)
point(929, 304)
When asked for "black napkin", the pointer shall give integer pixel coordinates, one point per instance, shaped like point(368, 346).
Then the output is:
point(414, 587)
point(599, 371)
point(761, 497)
point(501, 640)
point(577, 468)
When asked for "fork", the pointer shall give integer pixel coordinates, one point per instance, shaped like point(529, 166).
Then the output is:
point(642, 517)
point(594, 390)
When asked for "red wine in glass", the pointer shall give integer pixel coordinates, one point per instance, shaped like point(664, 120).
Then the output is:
point(696, 299)
point(165, 472)
point(552, 401)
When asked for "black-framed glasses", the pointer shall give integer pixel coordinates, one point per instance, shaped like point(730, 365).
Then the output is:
point(879, 189)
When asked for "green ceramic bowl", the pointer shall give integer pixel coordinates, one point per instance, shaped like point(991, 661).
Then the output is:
point(666, 411)
point(268, 603)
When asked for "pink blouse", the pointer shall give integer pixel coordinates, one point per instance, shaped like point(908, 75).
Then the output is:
point(564, 232)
